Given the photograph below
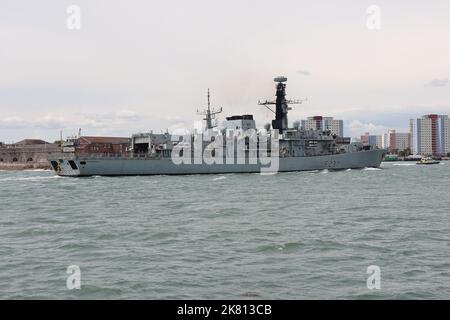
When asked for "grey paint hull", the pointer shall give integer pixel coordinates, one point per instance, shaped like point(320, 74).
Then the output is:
point(165, 166)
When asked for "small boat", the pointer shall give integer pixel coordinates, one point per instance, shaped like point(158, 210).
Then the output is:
point(428, 161)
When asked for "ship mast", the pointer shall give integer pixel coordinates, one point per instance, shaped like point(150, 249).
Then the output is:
point(281, 105)
point(209, 114)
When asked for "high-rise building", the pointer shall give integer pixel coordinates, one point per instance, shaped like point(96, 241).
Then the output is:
point(430, 135)
point(324, 123)
point(372, 140)
point(397, 140)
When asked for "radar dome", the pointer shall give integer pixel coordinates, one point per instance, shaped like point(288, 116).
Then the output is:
point(280, 79)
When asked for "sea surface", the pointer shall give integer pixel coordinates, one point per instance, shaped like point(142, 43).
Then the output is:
point(306, 235)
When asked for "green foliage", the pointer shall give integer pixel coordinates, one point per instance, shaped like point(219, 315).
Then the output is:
point(394, 151)
point(408, 152)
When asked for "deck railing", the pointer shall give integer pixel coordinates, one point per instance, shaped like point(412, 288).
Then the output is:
point(93, 156)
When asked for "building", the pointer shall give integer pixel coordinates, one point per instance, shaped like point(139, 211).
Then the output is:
point(27, 154)
point(372, 140)
point(399, 141)
point(31, 142)
point(430, 135)
point(324, 123)
point(100, 145)
point(33, 153)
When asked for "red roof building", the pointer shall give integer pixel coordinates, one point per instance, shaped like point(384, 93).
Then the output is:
point(103, 145)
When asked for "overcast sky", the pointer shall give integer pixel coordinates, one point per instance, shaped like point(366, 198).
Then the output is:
point(140, 65)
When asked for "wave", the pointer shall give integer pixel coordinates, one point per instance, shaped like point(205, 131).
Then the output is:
point(372, 169)
point(30, 178)
point(308, 171)
point(219, 178)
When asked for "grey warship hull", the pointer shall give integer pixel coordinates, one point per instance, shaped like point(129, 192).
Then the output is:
point(75, 166)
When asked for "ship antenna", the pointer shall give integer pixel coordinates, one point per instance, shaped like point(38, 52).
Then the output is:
point(209, 113)
point(209, 102)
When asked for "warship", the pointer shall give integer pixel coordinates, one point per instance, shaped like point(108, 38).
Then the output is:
point(276, 148)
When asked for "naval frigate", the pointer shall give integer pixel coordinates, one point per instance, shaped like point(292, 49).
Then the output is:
point(277, 148)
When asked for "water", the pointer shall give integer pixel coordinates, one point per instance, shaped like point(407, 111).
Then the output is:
point(307, 235)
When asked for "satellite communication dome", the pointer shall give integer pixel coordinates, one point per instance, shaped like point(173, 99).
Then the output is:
point(280, 79)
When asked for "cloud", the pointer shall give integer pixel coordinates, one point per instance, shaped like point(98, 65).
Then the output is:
point(124, 122)
point(126, 114)
point(356, 128)
point(438, 83)
point(46, 122)
point(303, 72)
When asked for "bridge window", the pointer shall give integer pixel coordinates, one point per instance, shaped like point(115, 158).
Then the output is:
point(29, 159)
point(14, 159)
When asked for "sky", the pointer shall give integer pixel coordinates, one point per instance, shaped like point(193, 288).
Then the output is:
point(135, 66)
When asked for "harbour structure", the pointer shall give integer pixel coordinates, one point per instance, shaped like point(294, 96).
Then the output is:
point(237, 148)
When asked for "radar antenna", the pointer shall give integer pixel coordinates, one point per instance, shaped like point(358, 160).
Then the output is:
point(281, 105)
point(209, 114)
